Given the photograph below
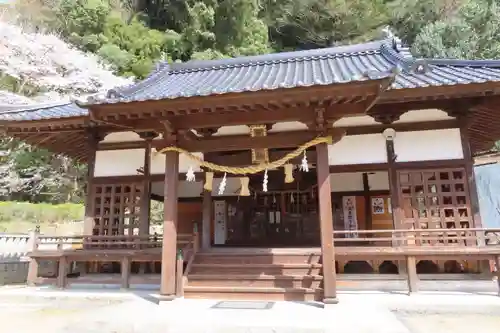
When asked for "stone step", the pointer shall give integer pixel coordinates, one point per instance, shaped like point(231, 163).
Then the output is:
point(243, 259)
point(253, 293)
point(269, 281)
point(255, 269)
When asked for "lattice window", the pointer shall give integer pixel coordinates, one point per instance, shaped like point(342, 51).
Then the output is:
point(116, 209)
point(435, 199)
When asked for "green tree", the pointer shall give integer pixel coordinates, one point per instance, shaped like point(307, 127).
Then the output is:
point(316, 23)
point(474, 33)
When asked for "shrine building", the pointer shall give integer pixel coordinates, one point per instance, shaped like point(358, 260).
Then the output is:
point(278, 173)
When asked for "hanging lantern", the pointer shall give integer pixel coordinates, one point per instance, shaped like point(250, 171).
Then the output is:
point(288, 173)
point(209, 178)
point(244, 186)
point(190, 176)
point(222, 185)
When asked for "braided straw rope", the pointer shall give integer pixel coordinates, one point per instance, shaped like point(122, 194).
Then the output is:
point(251, 169)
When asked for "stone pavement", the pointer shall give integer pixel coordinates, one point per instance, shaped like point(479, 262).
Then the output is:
point(26, 310)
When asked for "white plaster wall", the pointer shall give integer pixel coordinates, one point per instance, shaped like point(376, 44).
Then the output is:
point(353, 181)
point(423, 115)
point(378, 181)
point(122, 137)
point(110, 163)
point(346, 182)
point(358, 149)
point(428, 145)
point(355, 121)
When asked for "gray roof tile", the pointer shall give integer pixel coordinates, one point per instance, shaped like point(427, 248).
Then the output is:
point(302, 68)
point(43, 111)
point(283, 70)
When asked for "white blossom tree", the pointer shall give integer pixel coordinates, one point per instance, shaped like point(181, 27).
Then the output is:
point(37, 67)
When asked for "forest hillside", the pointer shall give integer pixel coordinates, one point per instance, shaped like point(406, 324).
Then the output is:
point(51, 50)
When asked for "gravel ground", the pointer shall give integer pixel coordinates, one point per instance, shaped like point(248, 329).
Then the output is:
point(27, 311)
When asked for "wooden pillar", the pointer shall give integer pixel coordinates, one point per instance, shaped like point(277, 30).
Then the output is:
point(34, 262)
point(61, 272)
point(397, 213)
point(368, 204)
point(146, 190)
point(88, 221)
point(207, 219)
point(484, 265)
point(497, 264)
point(393, 184)
point(169, 245)
point(125, 272)
point(471, 179)
point(412, 277)
point(326, 225)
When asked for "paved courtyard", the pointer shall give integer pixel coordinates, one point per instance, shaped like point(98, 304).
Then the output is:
point(28, 310)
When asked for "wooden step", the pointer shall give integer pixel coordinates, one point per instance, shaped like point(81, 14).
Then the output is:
point(254, 293)
point(242, 259)
point(255, 269)
point(267, 281)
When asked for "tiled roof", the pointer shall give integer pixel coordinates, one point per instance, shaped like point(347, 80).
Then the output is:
point(341, 64)
point(302, 68)
point(41, 111)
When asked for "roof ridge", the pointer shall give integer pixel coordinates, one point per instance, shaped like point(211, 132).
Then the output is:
point(463, 62)
point(343, 50)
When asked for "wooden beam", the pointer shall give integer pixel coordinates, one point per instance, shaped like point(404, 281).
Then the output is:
point(242, 142)
point(298, 94)
point(358, 130)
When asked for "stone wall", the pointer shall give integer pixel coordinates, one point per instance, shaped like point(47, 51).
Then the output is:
point(14, 262)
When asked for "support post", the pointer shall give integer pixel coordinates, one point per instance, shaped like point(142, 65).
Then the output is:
point(61, 272)
point(145, 203)
point(33, 263)
point(484, 265)
point(169, 243)
point(326, 225)
point(497, 273)
point(146, 189)
point(88, 221)
point(368, 204)
point(412, 277)
point(125, 273)
point(207, 219)
point(397, 214)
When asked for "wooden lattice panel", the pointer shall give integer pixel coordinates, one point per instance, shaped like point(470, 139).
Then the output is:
point(435, 199)
point(116, 209)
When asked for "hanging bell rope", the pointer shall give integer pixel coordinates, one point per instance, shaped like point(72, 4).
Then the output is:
point(251, 169)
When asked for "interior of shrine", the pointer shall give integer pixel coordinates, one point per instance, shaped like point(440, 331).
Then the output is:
point(286, 215)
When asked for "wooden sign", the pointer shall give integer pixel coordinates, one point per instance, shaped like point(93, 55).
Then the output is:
point(350, 217)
